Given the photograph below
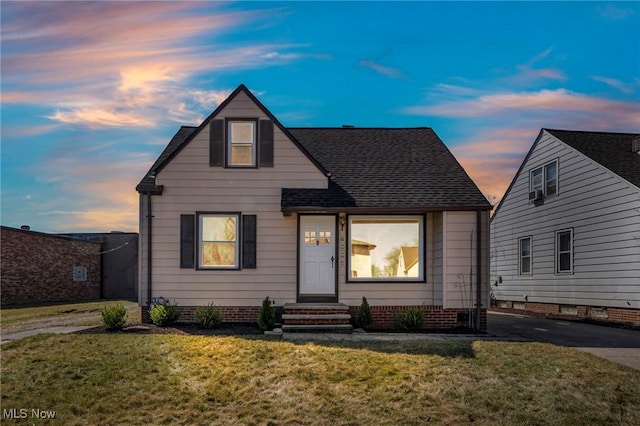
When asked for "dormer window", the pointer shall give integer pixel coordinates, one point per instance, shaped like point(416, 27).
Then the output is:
point(241, 143)
point(544, 180)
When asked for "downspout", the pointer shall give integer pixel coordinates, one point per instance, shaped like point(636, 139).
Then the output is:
point(479, 269)
point(149, 228)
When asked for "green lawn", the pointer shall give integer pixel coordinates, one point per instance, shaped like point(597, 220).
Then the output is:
point(82, 313)
point(176, 379)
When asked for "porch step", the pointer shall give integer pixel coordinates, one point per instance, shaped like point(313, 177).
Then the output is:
point(317, 328)
point(316, 317)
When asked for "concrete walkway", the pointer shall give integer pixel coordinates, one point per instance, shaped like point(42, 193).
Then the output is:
point(10, 337)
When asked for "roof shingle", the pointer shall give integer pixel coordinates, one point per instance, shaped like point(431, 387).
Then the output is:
point(399, 168)
point(612, 150)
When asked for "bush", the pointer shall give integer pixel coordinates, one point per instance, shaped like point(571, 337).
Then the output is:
point(208, 316)
point(267, 316)
point(164, 314)
point(114, 317)
point(410, 319)
point(363, 316)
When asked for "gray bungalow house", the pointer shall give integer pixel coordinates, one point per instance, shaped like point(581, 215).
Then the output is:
point(565, 239)
point(241, 208)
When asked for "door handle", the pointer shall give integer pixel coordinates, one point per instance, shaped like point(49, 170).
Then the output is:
point(332, 259)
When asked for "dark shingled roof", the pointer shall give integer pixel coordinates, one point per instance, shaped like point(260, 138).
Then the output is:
point(612, 150)
point(383, 168)
point(371, 168)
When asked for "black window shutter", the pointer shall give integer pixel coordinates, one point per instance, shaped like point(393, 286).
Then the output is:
point(266, 143)
point(187, 240)
point(216, 143)
point(249, 241)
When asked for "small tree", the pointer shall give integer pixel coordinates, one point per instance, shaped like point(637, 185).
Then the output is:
point(267, 316)
point(363, 317)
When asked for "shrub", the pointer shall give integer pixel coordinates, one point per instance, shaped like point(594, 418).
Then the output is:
point(267, 316)
point(363, 316)
point(114, 317)
point(164, 314)
point(208, 316)
point(410, 319)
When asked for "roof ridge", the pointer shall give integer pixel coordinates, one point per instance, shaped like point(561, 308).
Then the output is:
point(591, 131)
point(358, 128)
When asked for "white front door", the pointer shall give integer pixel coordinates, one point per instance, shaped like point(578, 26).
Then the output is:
point(317, 256)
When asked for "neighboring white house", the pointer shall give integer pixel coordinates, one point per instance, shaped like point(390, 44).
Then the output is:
point(361, 258)
point(241, 208)
point(408, 262)
point(565, 239)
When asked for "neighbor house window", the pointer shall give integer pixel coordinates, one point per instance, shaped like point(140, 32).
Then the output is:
point(386, 248)
point(564, 251)
point(545, 179)
point(241, 140)
point(524, 256)
point(218, 241)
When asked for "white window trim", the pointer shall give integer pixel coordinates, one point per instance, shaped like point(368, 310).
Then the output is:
point(543, 170)
point(520, 256)
point(421, 249)
point(238, 241)
point(254, 144)
point(557, 252)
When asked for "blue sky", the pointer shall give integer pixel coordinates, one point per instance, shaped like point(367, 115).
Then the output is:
point(91, 92)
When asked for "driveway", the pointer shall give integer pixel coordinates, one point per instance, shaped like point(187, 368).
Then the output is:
point(619, 345)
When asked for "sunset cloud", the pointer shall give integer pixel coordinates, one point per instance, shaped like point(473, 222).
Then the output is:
point(123, 64)
point(386, 71)
point(627, 88)
point(505, 125)
point(558, 105)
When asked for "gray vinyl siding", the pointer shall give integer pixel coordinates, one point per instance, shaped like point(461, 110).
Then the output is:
point(604, 212)
point(438, 258)
point(460, 251)
point(191, 185)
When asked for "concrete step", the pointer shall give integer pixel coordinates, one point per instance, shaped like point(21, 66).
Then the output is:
point(313, 308)
point(317, 328)
point(287, 317)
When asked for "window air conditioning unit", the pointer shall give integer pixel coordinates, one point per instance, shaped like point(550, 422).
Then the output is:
point(535, 195)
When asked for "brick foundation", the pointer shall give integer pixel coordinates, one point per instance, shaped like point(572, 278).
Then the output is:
point(247, 314)
point(613, 315)
point(38, 268)
point(435, 317)
point(384, 317)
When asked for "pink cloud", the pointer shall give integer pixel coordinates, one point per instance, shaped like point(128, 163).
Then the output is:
point(121, 64)
point(558, 105)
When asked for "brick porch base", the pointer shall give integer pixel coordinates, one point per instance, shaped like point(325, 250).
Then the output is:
point(384, 317)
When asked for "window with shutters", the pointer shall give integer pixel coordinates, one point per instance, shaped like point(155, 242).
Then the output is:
point(218, 243)
point(241, 143)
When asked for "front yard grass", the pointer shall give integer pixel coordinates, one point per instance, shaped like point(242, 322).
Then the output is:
point(81, 313)
point(177, 379)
